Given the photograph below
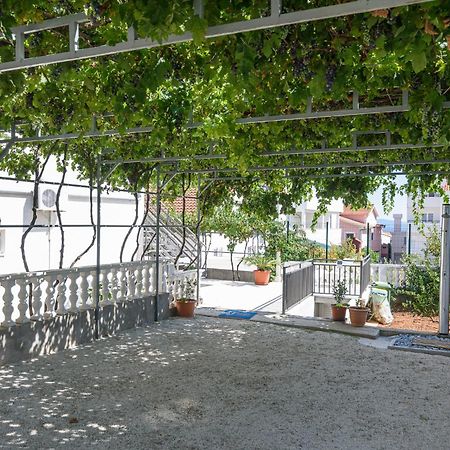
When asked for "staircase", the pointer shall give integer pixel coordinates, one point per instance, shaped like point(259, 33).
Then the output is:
point(170, 238)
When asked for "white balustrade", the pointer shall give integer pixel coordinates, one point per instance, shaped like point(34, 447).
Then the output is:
point(114, 285)
point(73, 292)
point(49, 298)
point(388, 273)
point(105, 300)
point(23, 301)
point(123, 283)
point(131, 284)
point(84, 291)
point(138, 282)
point(41, 295)
point(61, 295)
point(37, 298)
point(8, 297)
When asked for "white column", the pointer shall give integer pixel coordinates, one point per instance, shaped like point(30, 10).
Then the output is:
point(123, 284)
point(49, 298)
point(23, 301)
point(61, 295)
point(84, 291)
point(7, 303)
point(37, 299)
point(138, 282)
point(114, 285)
point(131, 284)
point(73, 295)
point(105, 288)
point(444, 291)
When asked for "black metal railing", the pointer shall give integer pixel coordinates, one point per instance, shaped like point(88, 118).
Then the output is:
point(302, 279)
point(297, 283)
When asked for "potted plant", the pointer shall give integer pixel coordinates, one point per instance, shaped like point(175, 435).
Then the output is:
point(339, 307)
point(359, 313)
point(263, 268)
point(186, 305)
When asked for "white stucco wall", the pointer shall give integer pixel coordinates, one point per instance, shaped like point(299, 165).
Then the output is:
point(43, 245)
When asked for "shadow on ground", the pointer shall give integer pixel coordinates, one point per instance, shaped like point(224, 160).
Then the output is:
point(211, 383)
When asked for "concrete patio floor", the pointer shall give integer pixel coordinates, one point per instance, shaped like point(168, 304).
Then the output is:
point(211, 383)
point(223, 294)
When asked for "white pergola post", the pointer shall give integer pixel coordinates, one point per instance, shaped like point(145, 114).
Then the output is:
point(444, 292)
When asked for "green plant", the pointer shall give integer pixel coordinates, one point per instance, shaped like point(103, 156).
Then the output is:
point(261, 262)
point(189, 290)
point(422, 279)
point(345, 251)
point(339, 292)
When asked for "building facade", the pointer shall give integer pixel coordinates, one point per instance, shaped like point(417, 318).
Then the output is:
point(43, 243)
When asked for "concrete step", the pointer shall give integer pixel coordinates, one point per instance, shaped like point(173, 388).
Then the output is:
point(315, 324)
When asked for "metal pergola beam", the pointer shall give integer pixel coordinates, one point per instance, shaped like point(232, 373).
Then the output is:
point(309, 115)
point(349, 165)
point(276, 19)
point(336, 175)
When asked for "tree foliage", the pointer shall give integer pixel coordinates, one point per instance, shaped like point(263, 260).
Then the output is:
point(215, 82)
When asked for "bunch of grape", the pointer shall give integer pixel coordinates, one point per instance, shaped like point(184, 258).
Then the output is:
point(330, 75)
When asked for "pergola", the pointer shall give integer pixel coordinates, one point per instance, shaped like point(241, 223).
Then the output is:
point(168, 166)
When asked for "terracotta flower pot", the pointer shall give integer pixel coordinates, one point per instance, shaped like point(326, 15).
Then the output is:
point(262, 277)
point(358, 316)
point(338, 313)
point(185, 308)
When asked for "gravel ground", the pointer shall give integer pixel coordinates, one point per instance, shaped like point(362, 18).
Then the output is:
point(224, 384)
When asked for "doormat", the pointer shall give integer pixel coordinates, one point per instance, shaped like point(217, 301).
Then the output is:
point(237, 314)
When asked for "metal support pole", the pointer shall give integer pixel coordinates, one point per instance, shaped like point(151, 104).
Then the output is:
point(326, 242)
point(284, 292)
point(97, 232)
point(287, 230)
point(199, 244)
point(158, 216)
point(444, 291)
point(409, 238)
point(368, 239)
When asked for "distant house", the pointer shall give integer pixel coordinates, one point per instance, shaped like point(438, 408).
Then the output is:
point(354, 224)
point(303, 219)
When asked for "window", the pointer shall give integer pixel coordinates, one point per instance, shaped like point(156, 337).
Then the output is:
point(371, 236)
point(349, 236)
point(427, 217)
point(404, 240)
point(2, 242)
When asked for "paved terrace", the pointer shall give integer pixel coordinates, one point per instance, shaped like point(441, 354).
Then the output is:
point(213, 383)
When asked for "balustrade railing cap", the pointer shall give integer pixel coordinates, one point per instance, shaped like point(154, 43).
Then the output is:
point(67, 271)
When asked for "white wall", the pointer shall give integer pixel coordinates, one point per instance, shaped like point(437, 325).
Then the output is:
point(43, 245)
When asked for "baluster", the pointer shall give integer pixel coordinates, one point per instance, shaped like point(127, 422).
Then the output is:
point(152, 279)
point(37, 299)
point(61, 295)
point(84, 291)
point(165, 277)
point(93, 288)
point(49, 298)
point(131, 284)
point(139, 282)
point(146, 283)
point(23, 301)
point(123, 283)
point(105, 288)
point(73, 289)
point(8, 303)
point(114, 285)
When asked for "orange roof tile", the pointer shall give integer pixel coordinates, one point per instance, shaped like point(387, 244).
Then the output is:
point(358, 215)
